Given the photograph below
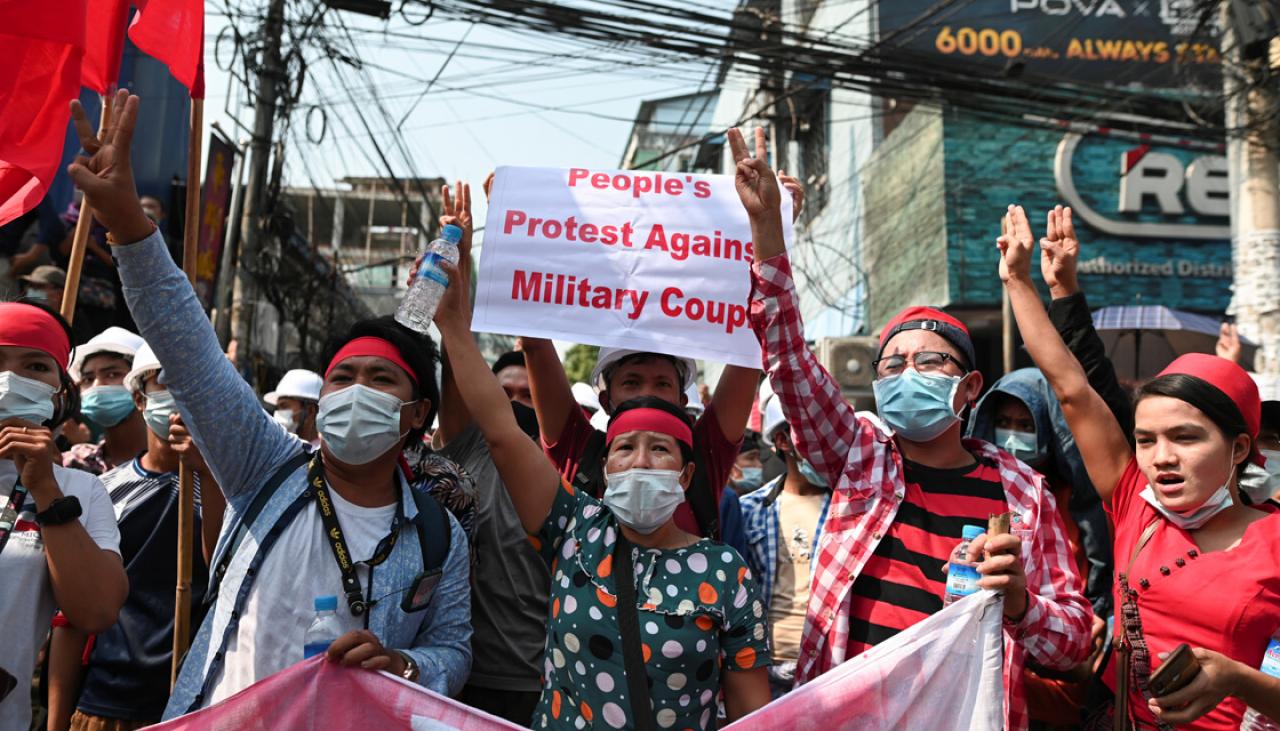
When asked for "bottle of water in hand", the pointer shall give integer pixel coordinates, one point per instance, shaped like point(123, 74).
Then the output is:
point(1254, 721)
point(962, 576)
point(324, 628)
point(419, 304)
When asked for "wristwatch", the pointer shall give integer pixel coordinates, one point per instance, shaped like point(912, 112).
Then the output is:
point(60, 511)
point(410, 667)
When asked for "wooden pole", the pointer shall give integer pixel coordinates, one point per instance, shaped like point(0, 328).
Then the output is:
point(1006, 332)
point(186, 480)
point(80, 242)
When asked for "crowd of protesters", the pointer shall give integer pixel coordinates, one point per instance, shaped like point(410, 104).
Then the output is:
point(625, 553)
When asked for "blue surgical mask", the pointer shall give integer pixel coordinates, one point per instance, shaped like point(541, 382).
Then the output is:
point(359, 424)
point(752, 478)
point(917, 406)
point(159, 405)
point(37, 295)
point(25, 398)
point(107, 405)
point(1020, 444)
point(810, 474)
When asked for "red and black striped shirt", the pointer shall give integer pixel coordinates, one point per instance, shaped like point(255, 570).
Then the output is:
point(903, 581)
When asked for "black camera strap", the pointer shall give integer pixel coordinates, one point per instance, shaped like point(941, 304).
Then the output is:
point(9, 516)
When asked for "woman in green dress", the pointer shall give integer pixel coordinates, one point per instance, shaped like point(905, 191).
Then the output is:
point(701, 624)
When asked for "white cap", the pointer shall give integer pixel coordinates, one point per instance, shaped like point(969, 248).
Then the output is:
point(144, 362)
point(586, 396)
point(112, 340)
point(298, 383)
point(609, 356)
point(600, 421)
point(694, 404)
point(773, 418)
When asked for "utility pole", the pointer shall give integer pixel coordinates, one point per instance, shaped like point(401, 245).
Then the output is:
point(1253, 123)
point(270, 76)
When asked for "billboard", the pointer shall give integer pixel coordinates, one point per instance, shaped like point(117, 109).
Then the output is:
point(1154, 43)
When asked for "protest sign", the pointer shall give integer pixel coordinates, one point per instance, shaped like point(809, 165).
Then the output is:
point(652, 261)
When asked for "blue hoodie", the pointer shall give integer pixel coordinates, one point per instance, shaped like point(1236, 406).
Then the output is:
point(1061, 462)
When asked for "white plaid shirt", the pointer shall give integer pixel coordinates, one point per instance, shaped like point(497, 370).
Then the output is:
point(862, 462)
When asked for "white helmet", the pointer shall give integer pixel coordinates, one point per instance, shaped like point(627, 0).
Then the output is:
point(687, 368)
point(115, 340)
point(144, 362)
point(298, 383)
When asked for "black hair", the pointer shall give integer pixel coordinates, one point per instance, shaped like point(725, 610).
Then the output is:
point(1271, 414)
point(508, 359)
point(653, 402)
point(66, 402)
point(1211, 401)
point(418, 350)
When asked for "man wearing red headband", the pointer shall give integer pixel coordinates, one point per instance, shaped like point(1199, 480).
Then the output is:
point(901, 498)
point(338, 522)
point(59, 546)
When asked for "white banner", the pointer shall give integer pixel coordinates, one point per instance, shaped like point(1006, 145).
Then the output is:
point(633, 259)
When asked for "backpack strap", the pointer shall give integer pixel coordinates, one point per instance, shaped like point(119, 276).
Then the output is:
point(435, 533)
point(629, 626)
point(246, 519)
point(702, 497)
point(590, 475)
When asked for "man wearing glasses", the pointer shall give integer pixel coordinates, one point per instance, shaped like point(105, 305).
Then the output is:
point(903, 491)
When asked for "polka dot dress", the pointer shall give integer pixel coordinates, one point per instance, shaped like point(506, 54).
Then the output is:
point(699, 609)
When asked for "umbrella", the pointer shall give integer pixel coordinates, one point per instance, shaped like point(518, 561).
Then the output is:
point(1142, 339)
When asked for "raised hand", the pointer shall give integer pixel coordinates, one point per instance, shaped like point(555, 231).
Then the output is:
point(1228, 345)
point(455, 210)
point(1059, 251)
point(757, 185)
point(182, 443)
point(454, 309)
point(106, 173)
point(32, 450)
point(796, 189)
point(1016, 245)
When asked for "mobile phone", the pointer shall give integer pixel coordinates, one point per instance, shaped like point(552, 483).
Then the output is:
point(1178, 669)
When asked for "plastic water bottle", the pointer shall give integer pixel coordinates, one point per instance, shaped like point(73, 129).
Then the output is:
point(324, 628)
point(1254, 721)
point(962, 576)
point(419, 304)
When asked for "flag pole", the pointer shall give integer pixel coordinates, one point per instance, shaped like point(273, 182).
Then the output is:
point(80, 242)
point(186, 480)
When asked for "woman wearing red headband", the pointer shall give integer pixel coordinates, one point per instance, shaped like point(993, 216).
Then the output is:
point(59, 545)
point(648, 622)
point(1194, 563)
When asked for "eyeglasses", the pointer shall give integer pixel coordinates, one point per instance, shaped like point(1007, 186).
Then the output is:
point(926, 361)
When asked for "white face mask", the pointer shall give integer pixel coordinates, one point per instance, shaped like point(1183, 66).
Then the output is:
point(359, 424)
point(1020, 444)
point(643, 500)
point(25, 398)
point(1260, 483)
point(1192, 519)
point(284, 417)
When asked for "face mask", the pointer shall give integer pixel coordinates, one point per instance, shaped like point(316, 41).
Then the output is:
point(1260, 483)
point(811, 475)
point(1020, 444)
point(284, 417)
point(527, 418)
point(917, 407)
point(1192, 519)
point(37, 295)
point(359, 424)
point(159, 405)
point(107, 405)
point(752, 478)
point(25, 398)
point(643, 500)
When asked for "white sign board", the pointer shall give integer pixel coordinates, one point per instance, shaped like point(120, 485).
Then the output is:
point(631, 259)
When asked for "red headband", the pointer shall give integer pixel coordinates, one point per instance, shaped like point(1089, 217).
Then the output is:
point(655, 420)
point(27, 326)
point(376, 347)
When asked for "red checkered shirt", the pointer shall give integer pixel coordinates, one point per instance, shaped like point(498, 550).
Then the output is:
point(859, 458)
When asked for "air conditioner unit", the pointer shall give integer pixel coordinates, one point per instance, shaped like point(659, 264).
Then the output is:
point(849, 360)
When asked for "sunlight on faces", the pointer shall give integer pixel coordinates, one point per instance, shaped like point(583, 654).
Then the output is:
point(1182, 453)
point(515, 381)
point(647, 450)
point(909, 342)
point(637, 376)
point(382, 375)
point(1013, 414)
point(30, 363)
point(103, 369)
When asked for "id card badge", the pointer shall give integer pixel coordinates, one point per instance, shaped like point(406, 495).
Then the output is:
point(419, 593)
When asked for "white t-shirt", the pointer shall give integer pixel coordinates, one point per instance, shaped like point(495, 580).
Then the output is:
point(281, 604)
point(26, 595)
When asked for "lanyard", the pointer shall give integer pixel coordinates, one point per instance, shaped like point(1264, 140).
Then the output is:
point(9, 517)
point(338, 544)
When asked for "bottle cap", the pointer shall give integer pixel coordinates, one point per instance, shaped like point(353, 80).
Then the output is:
point(972, 531)
point(452, 234)
point(326, 603)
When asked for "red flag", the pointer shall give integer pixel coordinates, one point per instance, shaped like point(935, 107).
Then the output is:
point(103, 44)
point(43, 44)
point(172, 31)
